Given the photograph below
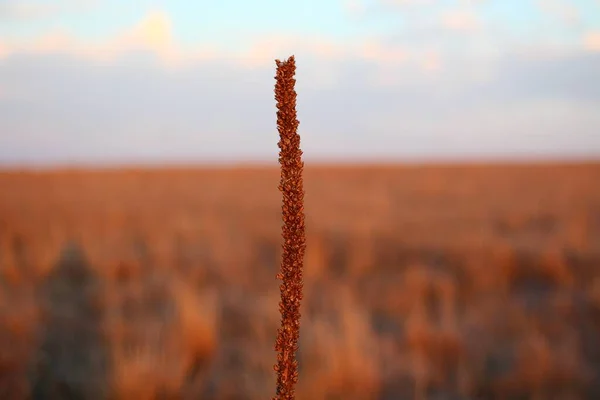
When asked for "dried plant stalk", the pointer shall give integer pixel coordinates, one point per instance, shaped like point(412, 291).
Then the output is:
point(294, 240)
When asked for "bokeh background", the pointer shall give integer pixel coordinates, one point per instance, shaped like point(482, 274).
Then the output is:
point(452, 154)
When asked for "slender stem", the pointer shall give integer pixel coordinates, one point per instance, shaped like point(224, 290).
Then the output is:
point(293, 231)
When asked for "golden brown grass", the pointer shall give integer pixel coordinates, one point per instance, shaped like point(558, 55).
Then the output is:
point(431, 282)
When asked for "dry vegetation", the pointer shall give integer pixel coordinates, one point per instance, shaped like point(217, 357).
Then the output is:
point(420, 283)
point(293, 232)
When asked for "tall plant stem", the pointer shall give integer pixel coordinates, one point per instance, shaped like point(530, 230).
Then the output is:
point(293, 232)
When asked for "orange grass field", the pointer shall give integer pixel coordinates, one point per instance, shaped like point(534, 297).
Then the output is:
point(420, 282)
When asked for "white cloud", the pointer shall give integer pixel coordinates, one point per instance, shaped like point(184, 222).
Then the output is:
point(24, 10)
point(152, 34)
point(354, 8)
point(154, 31)
point(376, 51)
point(4, 50)
point(591, 41)
point(28, 10)
point(562, 10)
point(461, 20)
point(406, 2)
point(431, 62)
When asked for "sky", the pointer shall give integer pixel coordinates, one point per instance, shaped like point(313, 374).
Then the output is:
point(114, 82)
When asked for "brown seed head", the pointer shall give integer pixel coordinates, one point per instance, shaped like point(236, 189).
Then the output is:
point(291, 186)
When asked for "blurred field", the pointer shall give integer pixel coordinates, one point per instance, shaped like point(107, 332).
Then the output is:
point(478, 282)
